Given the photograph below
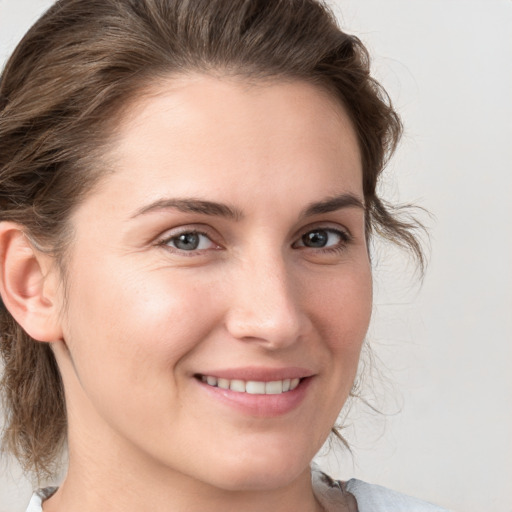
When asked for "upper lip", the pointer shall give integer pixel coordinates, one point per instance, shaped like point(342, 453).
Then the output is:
point(260, 374)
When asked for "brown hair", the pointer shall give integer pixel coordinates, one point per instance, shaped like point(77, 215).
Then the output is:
point(62, 91)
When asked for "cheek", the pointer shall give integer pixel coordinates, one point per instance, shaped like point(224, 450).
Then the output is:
point(127, 343)
point(345, 304)
point(343, 313)
point(136, 329)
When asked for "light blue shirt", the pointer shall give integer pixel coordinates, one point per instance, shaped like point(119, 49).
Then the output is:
point(330, 493)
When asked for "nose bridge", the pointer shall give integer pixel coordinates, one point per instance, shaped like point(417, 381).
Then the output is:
point(266, 303)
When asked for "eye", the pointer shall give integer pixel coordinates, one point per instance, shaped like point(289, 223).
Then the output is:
point(323, 238)
point(189, 241)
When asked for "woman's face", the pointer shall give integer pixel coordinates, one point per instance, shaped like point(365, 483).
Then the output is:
point(225, 250)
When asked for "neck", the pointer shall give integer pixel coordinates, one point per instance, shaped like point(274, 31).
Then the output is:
point(87, 489)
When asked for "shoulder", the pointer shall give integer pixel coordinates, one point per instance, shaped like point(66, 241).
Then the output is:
point(373, 498)
point(332, 494)
point(36, 502)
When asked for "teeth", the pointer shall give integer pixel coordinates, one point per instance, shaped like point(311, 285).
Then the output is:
point(223, 383)
point(274, 388)
point(211, 380)
point(252, 387)
point(237, 385)
point(255, 388)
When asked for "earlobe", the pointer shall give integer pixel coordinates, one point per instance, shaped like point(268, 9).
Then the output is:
point(27, 284)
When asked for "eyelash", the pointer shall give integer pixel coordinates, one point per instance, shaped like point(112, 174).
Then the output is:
point(344, 236)
point(165, 242)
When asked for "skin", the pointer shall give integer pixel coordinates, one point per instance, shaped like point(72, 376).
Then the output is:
point(143, 317)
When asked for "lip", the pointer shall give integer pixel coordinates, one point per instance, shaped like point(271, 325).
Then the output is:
point(263, 406)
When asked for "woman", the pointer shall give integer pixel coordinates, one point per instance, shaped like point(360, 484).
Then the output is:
point(188, 190)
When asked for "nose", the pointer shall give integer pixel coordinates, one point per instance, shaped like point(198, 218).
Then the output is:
point(267, 305)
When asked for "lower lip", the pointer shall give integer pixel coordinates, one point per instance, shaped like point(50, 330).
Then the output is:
point(268, 406)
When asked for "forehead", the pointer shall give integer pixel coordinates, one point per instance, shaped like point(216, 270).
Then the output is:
point(222, 119)
point(231, 140)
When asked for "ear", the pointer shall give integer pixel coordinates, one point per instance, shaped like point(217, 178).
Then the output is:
point(29, 284)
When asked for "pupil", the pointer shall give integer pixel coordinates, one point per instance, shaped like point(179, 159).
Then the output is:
point(315, 239)
point(187, 241)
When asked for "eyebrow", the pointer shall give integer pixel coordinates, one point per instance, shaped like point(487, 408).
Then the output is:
point(193, 205)
point(332, 204)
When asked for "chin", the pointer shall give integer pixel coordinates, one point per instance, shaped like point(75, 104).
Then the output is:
point(268, 479)
point(266, 470)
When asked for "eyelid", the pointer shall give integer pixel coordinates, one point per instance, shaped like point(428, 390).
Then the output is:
point(164, 239)
point(325, 226)
point(344, 234)
point(170, 234)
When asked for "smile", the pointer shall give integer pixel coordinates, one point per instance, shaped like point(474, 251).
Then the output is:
point(252, 387)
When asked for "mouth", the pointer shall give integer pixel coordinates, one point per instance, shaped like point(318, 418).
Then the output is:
point(252, 387)
point(258, 392)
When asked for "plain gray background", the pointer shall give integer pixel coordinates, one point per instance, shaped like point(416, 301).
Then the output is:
point(443, 350)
